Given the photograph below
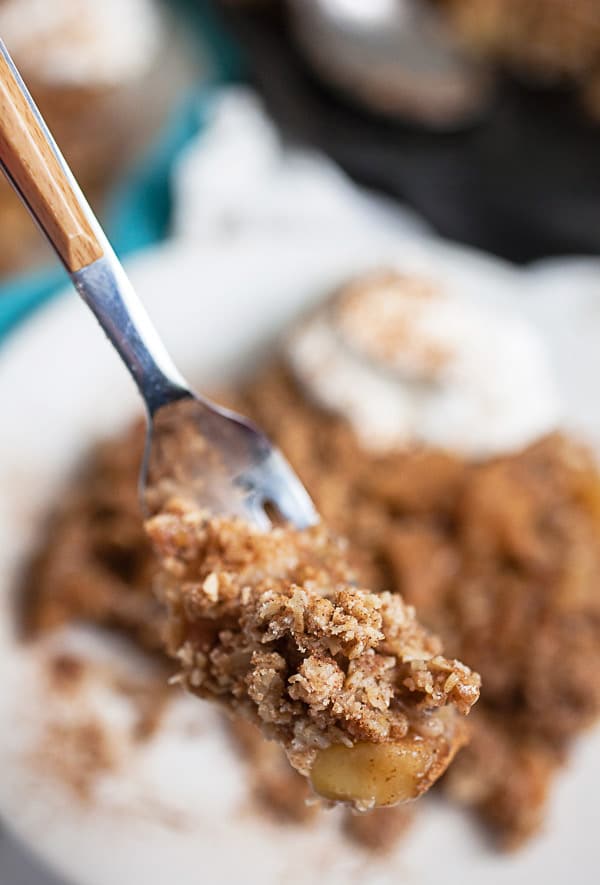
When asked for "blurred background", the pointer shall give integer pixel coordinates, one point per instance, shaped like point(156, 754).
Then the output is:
point(480, 116)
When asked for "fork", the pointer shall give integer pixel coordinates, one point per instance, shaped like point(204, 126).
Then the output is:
point(194, 448)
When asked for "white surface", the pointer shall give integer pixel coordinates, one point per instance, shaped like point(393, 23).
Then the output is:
point(216, 307)
point(250, 258)
point(81, 42)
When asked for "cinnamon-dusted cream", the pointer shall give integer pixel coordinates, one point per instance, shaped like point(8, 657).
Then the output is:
point(405, 360)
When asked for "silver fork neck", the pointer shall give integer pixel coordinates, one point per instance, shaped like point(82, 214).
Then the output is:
point(106, 289)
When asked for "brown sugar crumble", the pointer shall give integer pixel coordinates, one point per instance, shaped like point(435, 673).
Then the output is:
point(272, 626)
point(76, 754)
point(76, 746)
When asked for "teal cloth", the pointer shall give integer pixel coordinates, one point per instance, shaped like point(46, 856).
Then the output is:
point(140, 209)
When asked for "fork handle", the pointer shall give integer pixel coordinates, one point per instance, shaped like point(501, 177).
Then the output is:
point(36, 168)
point(29, 160)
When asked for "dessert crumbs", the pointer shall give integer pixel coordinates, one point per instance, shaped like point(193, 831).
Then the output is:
point(75, 754)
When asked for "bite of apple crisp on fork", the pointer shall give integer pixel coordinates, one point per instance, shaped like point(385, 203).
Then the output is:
point(271, 625)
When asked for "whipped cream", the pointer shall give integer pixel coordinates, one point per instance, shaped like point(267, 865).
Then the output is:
point(406, 361)
point(81, 42)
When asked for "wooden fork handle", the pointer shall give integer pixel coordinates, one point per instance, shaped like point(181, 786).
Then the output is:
point(31, 161)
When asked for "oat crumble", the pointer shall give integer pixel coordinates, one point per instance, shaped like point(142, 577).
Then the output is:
point(272, 625)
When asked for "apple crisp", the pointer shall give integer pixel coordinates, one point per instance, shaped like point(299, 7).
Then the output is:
point(415, 524)
point(272, 625)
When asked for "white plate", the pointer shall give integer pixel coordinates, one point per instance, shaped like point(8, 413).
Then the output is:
point(175, 811)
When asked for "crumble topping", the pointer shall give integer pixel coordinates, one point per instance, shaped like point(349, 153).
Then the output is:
point(270, 625)
point(505, 775)
point(96, 565)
